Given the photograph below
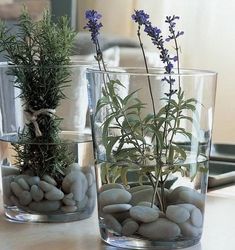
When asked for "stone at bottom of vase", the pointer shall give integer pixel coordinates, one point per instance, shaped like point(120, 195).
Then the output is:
point(130, 212)
point(42, 195)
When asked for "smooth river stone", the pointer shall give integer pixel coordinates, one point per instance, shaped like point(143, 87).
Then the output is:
point(82, 204)
point(114, 196)
point(9, 170)
point(6, 185)
point(79, 187)
point(138, 188)
point(16, 189)
point(141, 195)
point(54, 194)
point(144, 214)
point(177, 214)
point(69, 209)
point(68, 200)
point(33, 180)
point(91, 191)
point(45, 206)
point(110, 186)
point(116, 208)
point(184, 194)
point(72, 167)
point(25, 198)
point(36, 193)
point(49, 180)
point(147, 204)
point(196, 217)
point(76, 183)
point(188, 230)
point(46, 187)
point(129, 227)
point(112, 224)
point(22, 182)
point(161, 229)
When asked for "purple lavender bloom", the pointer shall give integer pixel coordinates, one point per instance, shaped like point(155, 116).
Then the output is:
point(93, 24)
point(140, 17)
point(173, 34)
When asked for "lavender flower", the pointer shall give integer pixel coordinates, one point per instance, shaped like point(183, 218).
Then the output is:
point(93, 24)
point(171, 21)
point(140, 17)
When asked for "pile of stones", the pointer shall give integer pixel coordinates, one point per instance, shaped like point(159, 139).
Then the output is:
point(129, 212)
point(31, 193)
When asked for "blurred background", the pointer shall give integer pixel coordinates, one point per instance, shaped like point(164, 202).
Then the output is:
point(208, 42)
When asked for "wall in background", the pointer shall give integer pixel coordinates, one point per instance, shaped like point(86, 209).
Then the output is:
point(208, 43)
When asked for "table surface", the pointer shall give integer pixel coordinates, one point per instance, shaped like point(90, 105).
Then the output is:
point(219, 230)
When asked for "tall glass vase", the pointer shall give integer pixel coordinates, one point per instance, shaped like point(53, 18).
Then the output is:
point(151, 137)
point(45, 144)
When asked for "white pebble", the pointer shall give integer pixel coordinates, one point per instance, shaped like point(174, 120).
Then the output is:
point(69, 209)
point(114, 196)
point(54, 194)
point(33, 180)
point(196, 217)
point(49, 180)
point(44, 206)
point(161, 229)
point(68, 200)
point(144, 214)
point(115, 208)
point(46, 187)
point(72, 167)
point(129, 227)
point(147, 204)
point(110, 186)
point(37, 193)
point(112, 224)
point(16, 189)
point(177, 214)
point(188, 230)
point(25, 198)
point(23, 184)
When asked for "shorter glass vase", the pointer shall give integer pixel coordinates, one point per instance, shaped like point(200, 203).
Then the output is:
point(50, 177)
point(151, 142)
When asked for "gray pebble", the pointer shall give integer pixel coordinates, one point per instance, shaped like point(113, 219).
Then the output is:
point(177, 214)
point(161, 229)
point(69, 209)
point(196, 217)
point(16, 189)
point(23, 184)
point(9, 170)
point(79, 187)
point(25, 198)
point(129, 227)
point(188, 230)
point(110, 186)
point(144, 214)
point(33, 180)
point(37, 193)
point(46, 187)
point(147, 204)
point(116, 208)
point(112, 224)
point(114, 196)
point(45, 206)
point(49, 180)
point(54, 194)
point(90, 179)
point(72, 167)
point(82, 204)
point(68, 200)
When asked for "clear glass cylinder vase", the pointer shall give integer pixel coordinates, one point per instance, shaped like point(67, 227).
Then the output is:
point(151, 137)
point(45, 143)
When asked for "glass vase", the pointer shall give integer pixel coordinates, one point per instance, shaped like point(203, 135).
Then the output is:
point(45, 144)
point(151, 137)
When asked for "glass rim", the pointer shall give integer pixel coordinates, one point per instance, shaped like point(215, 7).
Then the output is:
point(73, 64)
point(153, 71)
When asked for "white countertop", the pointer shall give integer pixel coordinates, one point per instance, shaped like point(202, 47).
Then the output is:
point(219, 230)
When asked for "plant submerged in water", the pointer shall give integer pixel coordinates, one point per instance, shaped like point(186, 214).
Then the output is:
point(128, 149)
point(39, 52)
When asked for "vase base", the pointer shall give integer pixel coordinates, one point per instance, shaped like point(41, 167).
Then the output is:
point(135, 242)
point(15, 214)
